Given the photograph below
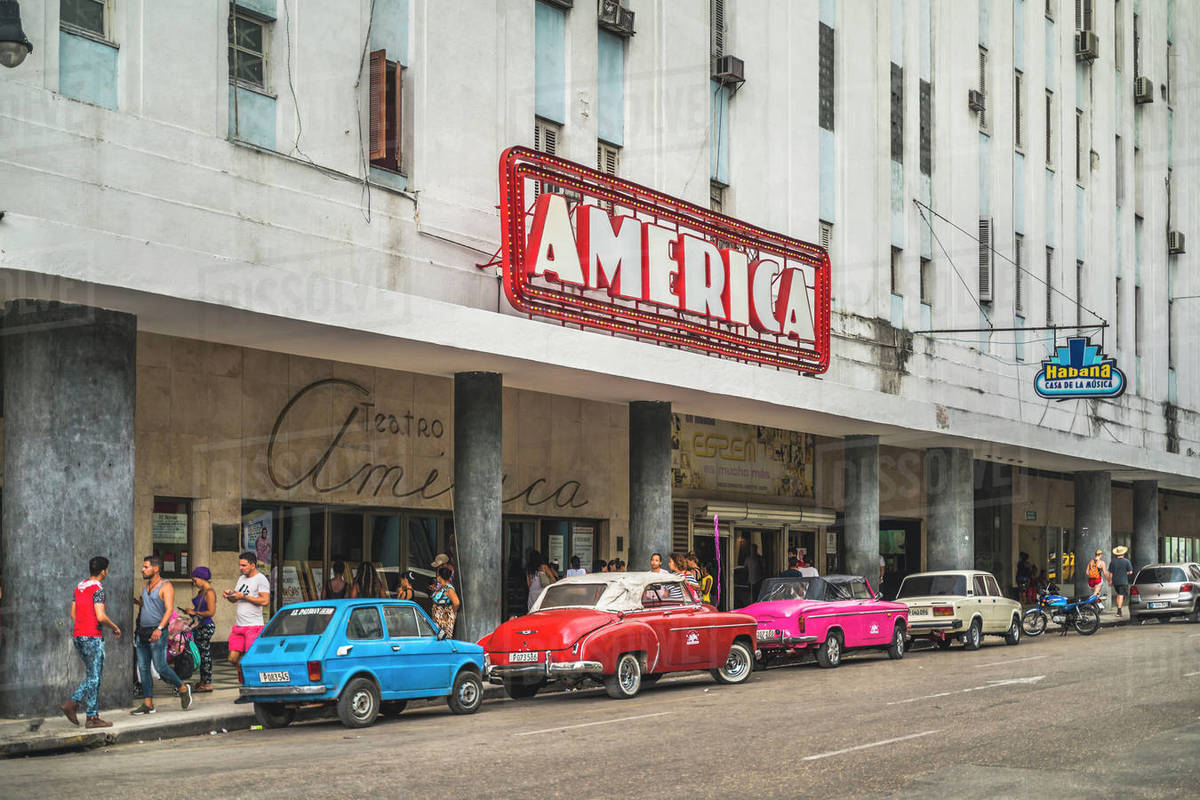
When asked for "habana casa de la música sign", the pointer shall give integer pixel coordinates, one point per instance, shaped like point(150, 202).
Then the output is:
point(590, 249)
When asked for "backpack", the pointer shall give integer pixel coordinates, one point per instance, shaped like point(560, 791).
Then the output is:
point(1093, 571)
point(179, 634)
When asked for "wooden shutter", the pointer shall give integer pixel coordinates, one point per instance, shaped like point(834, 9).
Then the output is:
point(985, 259)
point(681, 527)
point(378, 126)
point(395, 115)
point(716, 12)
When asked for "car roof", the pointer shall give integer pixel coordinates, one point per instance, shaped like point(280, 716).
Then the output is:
point(950, 572)
point(1179, 564)
point(624, 592)
point(347, 601)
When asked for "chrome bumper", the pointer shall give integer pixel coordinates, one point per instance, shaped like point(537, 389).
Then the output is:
point(934, 625)
point(785, 641)
point(281, 691)
point(496, 673)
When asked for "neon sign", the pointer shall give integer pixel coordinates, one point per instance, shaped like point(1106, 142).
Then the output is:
point(592, 250)
point(1079, 370)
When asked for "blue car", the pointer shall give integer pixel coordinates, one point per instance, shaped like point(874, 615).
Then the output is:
point(365, 656)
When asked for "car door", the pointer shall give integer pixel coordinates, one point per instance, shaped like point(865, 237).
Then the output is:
point(662, 614)
point(873, 624)
point(362, 646)
point(421, 661)
point(982, 602)
point(1001, 611)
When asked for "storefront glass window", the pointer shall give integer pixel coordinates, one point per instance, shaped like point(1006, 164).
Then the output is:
point(170, 533)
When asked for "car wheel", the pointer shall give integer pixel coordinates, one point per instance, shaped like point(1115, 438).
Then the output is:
point(393, 708)
point(897, 648)
point(973, 638)
point(737, 667)
point(518, 690)
point(944, 643)
point(626, 682)
point(829, 654)
point(358, 705)
point(467, 693)
point(1014, 632)
point(1195, 615)
point(272, 715)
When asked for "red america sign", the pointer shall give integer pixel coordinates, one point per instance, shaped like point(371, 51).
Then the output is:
point(592, 250)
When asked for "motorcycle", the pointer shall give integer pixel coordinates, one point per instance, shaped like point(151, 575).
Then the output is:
point(1082, 615)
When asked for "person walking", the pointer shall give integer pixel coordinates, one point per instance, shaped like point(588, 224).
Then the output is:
point(87, 615)
point(252, 594)
point(1120, 572)
point(204, 606)
point(158, 603)
point(1096, 570)
point(444, 602)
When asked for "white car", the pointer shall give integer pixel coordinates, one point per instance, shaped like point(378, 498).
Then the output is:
point(959, 604)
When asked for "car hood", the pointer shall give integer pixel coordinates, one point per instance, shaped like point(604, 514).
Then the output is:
point(554, 629)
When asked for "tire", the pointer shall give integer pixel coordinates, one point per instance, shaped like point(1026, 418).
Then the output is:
point(358, 704)
point(896, 651)
point(1195, 615)
point(466, 695)
point(521, 691)
point(626, 682)
point(944, 643)
point(273, 715)
point(1034, 622)
point(393, 708)
point(737, 667)
point(1014, 632)
point(973, 637)
point(829, 654)
point(1087, 620)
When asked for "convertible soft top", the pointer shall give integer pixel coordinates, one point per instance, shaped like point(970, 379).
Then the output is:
point(623, 590)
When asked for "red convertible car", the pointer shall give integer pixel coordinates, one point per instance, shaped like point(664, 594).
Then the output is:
point(826, 616)
point(624, 630)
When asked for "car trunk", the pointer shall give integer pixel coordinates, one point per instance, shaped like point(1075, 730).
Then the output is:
point(555, 629)
point(1160, 583)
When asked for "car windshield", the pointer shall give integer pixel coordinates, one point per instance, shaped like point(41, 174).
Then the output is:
point(308, 621)
point(1161, 575)
point(802, 589)
point(572, 595)
point(933, 585)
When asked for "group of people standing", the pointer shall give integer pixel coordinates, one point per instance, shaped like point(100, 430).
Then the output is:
point(367, 581)
point(156, 609)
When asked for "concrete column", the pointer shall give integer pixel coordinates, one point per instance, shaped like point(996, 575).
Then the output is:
point(649, 482)
point(1145, 523)
point(478, 472)
point(950, 496)
point(860, 537)
point(1093, 523)
point(69, 389)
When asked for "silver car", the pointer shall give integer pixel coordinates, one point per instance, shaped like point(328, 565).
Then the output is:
point(1162, 591)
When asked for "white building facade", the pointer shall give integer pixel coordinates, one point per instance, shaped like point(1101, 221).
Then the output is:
point(287, 210)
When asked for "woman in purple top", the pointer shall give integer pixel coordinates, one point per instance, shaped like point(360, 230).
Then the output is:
point(204, 605)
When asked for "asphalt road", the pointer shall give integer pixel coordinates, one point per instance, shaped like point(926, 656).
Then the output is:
point(1117, 713)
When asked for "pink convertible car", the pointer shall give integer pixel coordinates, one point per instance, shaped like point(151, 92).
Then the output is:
point(826, 616)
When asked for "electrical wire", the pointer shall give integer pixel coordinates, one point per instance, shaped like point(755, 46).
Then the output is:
point(950, 260)
point(287, 27)
point(364, 161)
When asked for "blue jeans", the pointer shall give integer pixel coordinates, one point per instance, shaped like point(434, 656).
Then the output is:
point(158, 652)
point(91, 651)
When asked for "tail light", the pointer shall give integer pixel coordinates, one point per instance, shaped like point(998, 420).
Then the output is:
point(314, 671)
point(1187, 587)
point(800, 624)
point(943, 611)
point(1133, 590)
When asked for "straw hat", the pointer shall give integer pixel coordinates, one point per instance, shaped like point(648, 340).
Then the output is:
point(1120, 550)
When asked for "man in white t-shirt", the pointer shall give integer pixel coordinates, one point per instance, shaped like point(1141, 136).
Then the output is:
point(253, 593)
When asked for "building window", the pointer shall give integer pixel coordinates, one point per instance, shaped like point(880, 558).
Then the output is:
point(247, 49)
point(897, 113)
point(1078, 293)
point(716, 197)
point(608, 158)
point(387, 81)
point(716, 21)
point(1050, 9)
point(895, 270)
point(1049, 128)
point(1137, 321)
point(1049, 286)
point(927, 281)
point(982, 83)
point(1018, 273)
point(84, 16)
point(1019, 339)
point(170, 533)
point(825, 77)
point(1137, 45)
point(1171, 73)
point(826, 235)
point(1118, 35)
point(1120, 172)
point(1018, 110)
point(1079, 151)
point(1084, 16)
point(1117, 314)
point(926, 132)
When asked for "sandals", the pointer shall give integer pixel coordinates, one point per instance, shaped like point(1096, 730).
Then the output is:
point(202, 688)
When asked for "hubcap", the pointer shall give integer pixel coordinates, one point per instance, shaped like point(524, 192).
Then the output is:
point(468, 694)
point(899, 641)
point(361, 704)
point(835, 650)
point(735, 665)
point(629, 678)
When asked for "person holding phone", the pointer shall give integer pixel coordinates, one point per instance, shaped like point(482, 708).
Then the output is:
point(252, 594)
point(204, 606)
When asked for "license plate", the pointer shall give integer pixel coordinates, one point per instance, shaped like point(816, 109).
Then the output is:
point(1157, 605)
point(274, 677)
point(918, 612)
point(517, 658)
point(767, 635)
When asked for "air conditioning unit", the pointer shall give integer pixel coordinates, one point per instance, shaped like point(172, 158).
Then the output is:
point(729, 70)
point(1175, 243)
point(615, 18)
point(1143, 90)
point(1087, 46)
point(975, 100)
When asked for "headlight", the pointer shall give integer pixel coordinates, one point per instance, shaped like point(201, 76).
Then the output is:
point(487, 660)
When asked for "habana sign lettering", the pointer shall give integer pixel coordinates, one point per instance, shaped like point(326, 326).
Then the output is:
point(600, 252)
point(1079, 370)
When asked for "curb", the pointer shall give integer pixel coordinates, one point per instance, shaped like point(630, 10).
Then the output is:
point(49, 743)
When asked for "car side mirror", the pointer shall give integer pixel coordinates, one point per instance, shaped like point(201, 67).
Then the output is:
point(441, 634)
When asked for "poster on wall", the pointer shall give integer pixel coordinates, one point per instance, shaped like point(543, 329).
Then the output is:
point(290, 591)
point(582, 539)
point(715, 455)
point(830, 542)
point(256, 536)
point(554, 551)
point(168, 528)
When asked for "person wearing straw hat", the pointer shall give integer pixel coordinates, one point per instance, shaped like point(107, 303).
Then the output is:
point(1120, 571)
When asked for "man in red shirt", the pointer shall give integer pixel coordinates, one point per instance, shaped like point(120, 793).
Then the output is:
point(87, 612)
